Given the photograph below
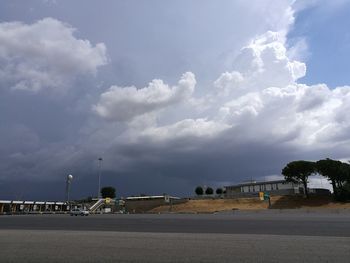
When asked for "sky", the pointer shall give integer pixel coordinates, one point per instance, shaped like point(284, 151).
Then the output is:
point(171, 94)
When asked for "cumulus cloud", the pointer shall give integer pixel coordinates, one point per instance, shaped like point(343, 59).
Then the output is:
point(201, 128)
point(248, 115)
point(45, 55)
point(257, 109)
point(271, 99)
point(124, 103)
point(265, 62)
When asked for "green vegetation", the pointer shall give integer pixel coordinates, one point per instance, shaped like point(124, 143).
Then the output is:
point(299, 172)
point(108, 191)
point(219, 191)
point(199, 190)
point(337, 172)
point(209, 191)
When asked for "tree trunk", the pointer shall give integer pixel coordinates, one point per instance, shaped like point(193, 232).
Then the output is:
point(335, 190)
point(305, 188)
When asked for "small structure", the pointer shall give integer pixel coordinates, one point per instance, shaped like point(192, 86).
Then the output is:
point(107, 205)
point(26, 207)
point(278, 187)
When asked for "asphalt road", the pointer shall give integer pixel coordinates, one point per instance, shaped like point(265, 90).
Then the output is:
point(274, 223)
point(239, 237)
point(102, 246)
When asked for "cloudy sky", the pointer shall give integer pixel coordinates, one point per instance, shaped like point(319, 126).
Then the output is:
point(171, 94)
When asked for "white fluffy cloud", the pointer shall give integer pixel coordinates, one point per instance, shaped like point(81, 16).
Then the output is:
point(45, 55)
point(271, 101)
point(186, 128)
point(246, 117)
point(124, 103)
point(260, 100)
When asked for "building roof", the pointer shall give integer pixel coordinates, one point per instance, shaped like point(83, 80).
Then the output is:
point(26, 202)
point(17, 202)
point(257, 183)
point(150, 197)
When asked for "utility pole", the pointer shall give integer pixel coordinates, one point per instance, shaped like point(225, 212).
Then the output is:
point(68, 183)
point(99, 177)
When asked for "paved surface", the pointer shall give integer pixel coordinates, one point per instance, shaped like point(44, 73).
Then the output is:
point(76, 246)
point(306, 224)
point(239, 237)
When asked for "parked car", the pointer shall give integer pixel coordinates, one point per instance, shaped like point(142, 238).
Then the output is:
point(79, 211)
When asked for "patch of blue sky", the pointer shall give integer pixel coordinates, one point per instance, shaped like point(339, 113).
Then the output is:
point(326, 30)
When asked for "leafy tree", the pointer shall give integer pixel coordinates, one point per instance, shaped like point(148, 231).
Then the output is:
point(108, 191)
point(209, 191)
point(344, 194)
point(343, 182)
point(299, 172)
point(344, 177)
point(337, 172)
point(332, 170)
point(199, 190)
point(219, 191)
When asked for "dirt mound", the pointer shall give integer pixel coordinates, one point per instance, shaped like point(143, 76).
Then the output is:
point(213, 205)
point(277, 202)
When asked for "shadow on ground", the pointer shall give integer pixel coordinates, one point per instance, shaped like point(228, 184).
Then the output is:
point(290, 202)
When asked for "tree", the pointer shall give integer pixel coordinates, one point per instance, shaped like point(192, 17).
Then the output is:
point(299, 172)
point(337, 172)
point(219, 191)
point(342, 182)
point(108, 191)
point(209, 191)
point(199, 190)
point(345, 193)
point(331, 169)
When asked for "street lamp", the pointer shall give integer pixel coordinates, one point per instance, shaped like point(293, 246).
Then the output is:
point(68, 183)
point(99, 177)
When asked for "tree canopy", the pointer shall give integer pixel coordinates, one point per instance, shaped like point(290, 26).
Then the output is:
point(209, 191)
point(219, 191)
point(199, 190)
point(299, 172)
point(108, 191)
point(338, 173)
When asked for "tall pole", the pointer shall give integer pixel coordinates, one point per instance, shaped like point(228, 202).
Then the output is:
point(68, 183)
point(99, 177)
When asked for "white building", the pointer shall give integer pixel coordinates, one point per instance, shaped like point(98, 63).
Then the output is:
point(280, 187)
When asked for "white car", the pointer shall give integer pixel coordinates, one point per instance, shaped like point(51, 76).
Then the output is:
point(79, 212)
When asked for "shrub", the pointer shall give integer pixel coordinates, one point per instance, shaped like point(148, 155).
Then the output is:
point(199, 190)
point(209, 191)
point(219, 191)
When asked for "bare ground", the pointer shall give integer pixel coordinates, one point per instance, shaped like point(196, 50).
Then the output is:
point(277, 202)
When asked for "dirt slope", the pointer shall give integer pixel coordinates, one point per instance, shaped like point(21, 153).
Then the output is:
point(277, 202)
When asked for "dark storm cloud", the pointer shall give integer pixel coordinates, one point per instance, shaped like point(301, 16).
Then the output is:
point(66, 98)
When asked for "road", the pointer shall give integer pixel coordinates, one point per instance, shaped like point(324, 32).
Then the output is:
point(307, 224)
point(238, 237)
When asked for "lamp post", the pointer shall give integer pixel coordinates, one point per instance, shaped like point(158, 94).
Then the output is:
point(99, 177)
point(68, 183)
